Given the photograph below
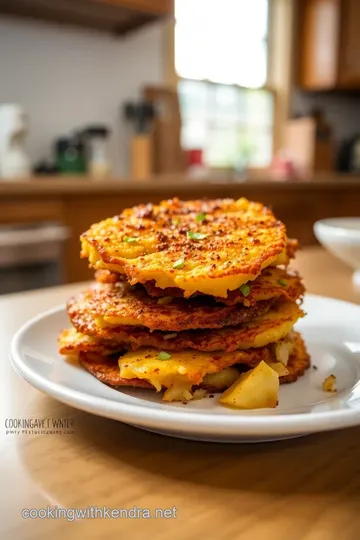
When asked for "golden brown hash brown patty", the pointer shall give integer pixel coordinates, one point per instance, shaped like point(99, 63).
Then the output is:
point(292, 246)
point(269, 327)
point(118, 304)
point(299, 361)
point(106, 368)
point(106, 276)
point(273, 283)
point(210, 246)
point(72, 342)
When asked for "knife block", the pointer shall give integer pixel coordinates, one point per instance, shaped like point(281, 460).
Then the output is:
point(168, 156)
point(310, 145)
point(141, 161)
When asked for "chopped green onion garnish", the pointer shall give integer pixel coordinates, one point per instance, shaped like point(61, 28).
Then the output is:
point(176, 221)
point(196, 235)
point(163, 355)
point(245, 289)
point(179, 264)
point(282, 282)
point(165, 300)
point(200, 217)
point(130, 239)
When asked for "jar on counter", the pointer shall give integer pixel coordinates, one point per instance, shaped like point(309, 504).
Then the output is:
point(96, 138)
point(70, 156)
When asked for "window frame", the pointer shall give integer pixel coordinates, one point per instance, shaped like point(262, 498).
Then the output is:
point(281, 22)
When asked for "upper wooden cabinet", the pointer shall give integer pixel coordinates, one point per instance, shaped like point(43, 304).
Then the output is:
point(161, 7)
point(329, 44)
point(349, 54)
point(117, 16)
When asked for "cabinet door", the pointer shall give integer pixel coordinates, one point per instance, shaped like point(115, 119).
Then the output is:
point(319, 43)
point(349, 59)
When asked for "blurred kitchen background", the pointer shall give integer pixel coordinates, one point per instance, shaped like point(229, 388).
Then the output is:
point(109, 103)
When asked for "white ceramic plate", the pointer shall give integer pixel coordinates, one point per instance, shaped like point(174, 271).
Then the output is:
point(332, 334)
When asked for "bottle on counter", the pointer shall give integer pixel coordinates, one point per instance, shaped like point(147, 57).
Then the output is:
point(70, 155)
point(96, 139)
point(14, 162)
point(196, 168)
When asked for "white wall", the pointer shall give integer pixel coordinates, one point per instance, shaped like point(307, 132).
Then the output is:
point(68, 78)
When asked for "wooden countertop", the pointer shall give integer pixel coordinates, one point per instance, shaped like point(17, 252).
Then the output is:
point(302, 489)
point(175, 184)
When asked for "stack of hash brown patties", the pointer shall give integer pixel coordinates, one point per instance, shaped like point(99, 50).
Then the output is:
point(188, 295)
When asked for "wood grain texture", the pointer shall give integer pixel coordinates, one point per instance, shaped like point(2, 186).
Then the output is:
point(162, 7)
point(329, 44)
point(25, 211)
point(302, 489)
point(319, 43)
point(163, 184)
point(115, 16)
point(349, 55)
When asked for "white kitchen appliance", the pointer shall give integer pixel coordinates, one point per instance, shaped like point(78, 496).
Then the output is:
point(14, 162)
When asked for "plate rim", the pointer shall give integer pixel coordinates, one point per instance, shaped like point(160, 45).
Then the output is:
point(180, 419)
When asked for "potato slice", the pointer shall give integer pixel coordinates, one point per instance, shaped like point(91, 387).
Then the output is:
point(283, 349)
point(256, 389)
point(329, 384)
point(279, 367)
point(222, 379)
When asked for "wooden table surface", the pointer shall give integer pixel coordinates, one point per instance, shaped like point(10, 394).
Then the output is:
point(306, 488)
point(220, 185)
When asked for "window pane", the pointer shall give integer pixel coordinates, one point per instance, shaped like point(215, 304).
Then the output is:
point(222, 41)
point(194, 134)
point(258, 107)
point(225, 104)
point(232, 125)
point(193, 98)
point(222, 148)
point(262, 148)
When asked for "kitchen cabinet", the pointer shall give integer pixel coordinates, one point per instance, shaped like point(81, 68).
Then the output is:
point(115, 16)
point(349, 56)
point(147, 6)
point(329, 44)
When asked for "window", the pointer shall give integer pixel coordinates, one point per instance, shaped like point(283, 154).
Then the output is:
point(221, 57)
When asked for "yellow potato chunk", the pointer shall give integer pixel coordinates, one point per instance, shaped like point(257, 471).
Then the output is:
point(279, 367)
point(256, 389)
point(222, 379)
point(329, 384)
